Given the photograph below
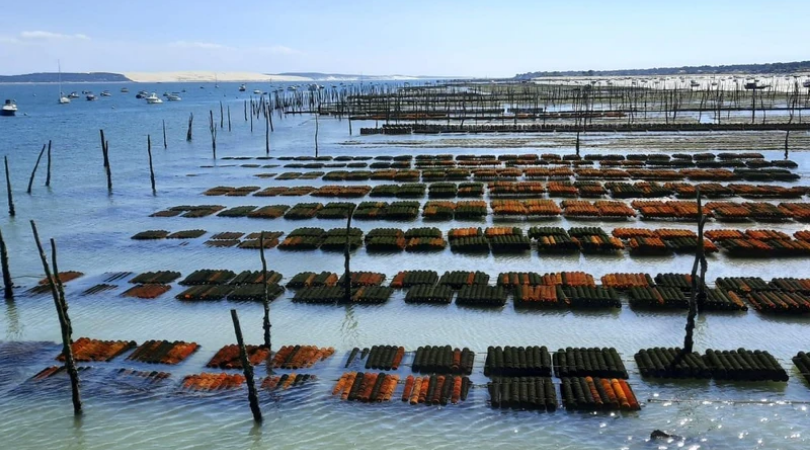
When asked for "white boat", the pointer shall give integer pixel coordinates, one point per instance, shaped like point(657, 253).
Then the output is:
point(90, 97)
point(173, 97)
point(9, 108)
point(62, 99)
point(73, 95)
point(141, 94)
point(153, 99)
point(694, 84)
point(242, 87)
point(124, 90)
point(106, 94)
point(258, 91)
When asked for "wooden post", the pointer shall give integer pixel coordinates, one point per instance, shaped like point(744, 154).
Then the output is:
point(266, 322)
point(165, 144)
point(64, 320)
point(221, 116)
point(213, 129)
point(697, 284)
point(251, 114)
point(229, 118)
point(103, 152)
point(8, 286)
point(316, 130)
point(107, 165)
point(151, 169)
point(787, 150)
point(350, 123)
point(48, 178)
point(34, 172)
point(577, 142)
point(247, 368)
point(347, 285)
point(8, 190)
point(246, 119)
point(190, 121)
point(266, 131)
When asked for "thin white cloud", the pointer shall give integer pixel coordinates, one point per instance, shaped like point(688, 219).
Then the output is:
point(203, 45)
point(280, 50)
point(40, 35)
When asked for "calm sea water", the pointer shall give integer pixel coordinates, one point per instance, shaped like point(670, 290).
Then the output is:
point(92, 230)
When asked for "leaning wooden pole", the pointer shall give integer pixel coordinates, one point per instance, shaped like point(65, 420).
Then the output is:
point(64, 323)
point(151, 169)
point(48, 177)
point(107, 165)
point(247, 368)
point(11, 211)
point(266, 299)
point(36, 165)
point(8, 287)
point(60, 289)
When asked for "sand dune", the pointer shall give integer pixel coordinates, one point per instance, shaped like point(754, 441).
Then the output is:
point(202, 76)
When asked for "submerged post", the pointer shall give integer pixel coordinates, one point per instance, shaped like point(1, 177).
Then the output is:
point(247, 368)
point(8, 190)
point(48, 178)
point(8, 287)
point(151, 170)
point(190, 121)
point(64, 320)
point(34, 172)
point(266, 322)
point(229, 118)
point(165, 145)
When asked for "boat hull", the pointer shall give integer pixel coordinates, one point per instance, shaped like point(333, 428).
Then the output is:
point(8, 112)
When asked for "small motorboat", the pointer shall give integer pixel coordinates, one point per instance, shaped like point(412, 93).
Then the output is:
point(141, 94)
point(106, 94)
point(63, 100)
point(694, 84)
point(258, 91)
point(124, 90)
point(153, 99)
point(73, 95)
point(9, 108)
point(173, 97)
point(90, 96)
point(242, 87)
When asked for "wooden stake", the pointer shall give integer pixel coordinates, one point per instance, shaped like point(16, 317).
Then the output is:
point(34, 172)
point(8, 190)
point(8, 286)
point(266, 132)
point(151, 170)
point(577, 143)
point(316, 130)
point(165, 144)
point(107, 165)
point(213, 129)
point(64, 321)
point(221, 116)
point(266, 322)
point(694, 299)
point(246, 119)
point(251, 114)
point(48, 178)
point(229, 118)
point(347, 285)
point(787, 150)
point(103, 147)
point(247, 368)
point(190, 121)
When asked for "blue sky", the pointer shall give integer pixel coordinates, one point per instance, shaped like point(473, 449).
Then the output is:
point(419, 37)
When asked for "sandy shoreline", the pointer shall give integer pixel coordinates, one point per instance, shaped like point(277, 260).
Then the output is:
point(202, 76)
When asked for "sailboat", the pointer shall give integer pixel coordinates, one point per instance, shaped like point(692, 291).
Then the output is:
point(62, 99)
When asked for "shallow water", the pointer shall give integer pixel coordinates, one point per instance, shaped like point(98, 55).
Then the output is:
point(92, 230)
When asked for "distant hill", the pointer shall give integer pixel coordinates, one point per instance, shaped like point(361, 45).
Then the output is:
point(67, 77)
point(788, 67)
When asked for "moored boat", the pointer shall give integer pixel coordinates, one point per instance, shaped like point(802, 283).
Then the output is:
point(153, 99)
point(106, 94)
point(9, 108)
point(242, 87)
point(90, 96)
point(173, 97)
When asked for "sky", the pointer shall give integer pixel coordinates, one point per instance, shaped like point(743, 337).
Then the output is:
point(493, 38)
